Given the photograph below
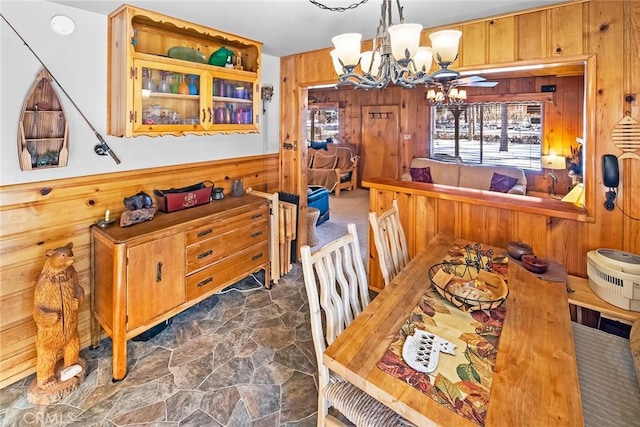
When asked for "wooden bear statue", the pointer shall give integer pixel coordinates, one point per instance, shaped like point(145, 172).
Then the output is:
point(57, 298)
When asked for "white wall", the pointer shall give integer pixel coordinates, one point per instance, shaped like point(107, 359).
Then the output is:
point(79, 63)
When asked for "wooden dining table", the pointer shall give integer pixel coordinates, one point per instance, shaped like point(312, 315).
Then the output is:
point(535, 380)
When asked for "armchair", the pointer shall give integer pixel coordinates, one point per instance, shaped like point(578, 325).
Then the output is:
point(335, 168)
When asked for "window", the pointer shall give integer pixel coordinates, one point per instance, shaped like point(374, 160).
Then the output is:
point(323, 122)
point(494, 133)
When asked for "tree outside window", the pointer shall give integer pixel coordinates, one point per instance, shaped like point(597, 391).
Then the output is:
point(495, 133)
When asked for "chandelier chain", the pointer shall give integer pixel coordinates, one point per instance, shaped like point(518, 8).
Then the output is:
point(338, 9)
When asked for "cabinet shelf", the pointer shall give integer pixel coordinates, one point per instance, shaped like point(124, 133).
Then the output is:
point(229, 99)
point(173, 96)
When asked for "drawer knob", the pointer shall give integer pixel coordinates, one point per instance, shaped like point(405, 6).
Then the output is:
point(205, 254)
point(255, 257)
point(204, 232)
point(204, 282)
point(256, 216)
point(256, 234)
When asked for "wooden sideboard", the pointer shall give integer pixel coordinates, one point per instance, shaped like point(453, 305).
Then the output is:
point(147, 273)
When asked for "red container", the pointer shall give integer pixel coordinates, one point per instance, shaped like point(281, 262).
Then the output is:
point(176, 199)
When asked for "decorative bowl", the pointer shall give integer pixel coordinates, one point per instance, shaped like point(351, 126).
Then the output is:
point(219, 57)
point(467, 288)
point(535, 264)
point(518, 249)
point(187, 54)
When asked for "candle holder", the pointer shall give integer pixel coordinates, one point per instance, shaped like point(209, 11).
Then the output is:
point(104, 224)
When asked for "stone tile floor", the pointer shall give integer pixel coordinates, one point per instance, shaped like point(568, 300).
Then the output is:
point(235, 359)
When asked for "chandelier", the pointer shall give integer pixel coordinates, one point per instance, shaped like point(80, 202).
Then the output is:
point(397, 58)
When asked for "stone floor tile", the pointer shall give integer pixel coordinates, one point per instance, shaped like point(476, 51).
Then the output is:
point(273, 373)
point(238, 370)
point(240, 416)
point(292, 302)
point(274, 338)
point(307, 348)
point(198, 419)
point(149, 368)
point(220, 404)
point(268, 421)
point(261, 356)
point(191, 374)
point(145, 414)
point(299, 398)
point(260, 399)
point(182, 404)
point(310, 421)
point(194, 349)
point(230, 346)
point(185, 331)
point(134, 397)
point(293, 358)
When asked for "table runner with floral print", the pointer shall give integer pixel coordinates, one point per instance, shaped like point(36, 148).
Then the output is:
point(462, 382)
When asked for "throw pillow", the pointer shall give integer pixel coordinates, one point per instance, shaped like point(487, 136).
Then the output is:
point(322, 161)
point(421, 175)
point(502, 183)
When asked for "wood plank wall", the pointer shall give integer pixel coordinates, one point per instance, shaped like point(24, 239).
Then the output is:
point(563, 113)
point(604, 32)
point(44, 215)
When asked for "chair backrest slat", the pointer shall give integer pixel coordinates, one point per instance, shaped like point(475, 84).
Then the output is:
point(390, 242)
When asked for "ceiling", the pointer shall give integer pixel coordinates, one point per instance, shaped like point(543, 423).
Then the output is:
point(292, 26)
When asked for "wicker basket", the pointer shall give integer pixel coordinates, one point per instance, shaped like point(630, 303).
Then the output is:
point(443, 276)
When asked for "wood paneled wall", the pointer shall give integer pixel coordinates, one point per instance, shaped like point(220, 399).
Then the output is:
point(562, 121)
point(44, 215)
point(606, 33)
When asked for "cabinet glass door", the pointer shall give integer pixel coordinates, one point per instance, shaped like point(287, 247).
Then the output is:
point(169, 99)
point(232, 102)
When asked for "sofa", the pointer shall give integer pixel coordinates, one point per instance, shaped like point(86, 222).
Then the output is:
point(332, 166)
point(504, 179)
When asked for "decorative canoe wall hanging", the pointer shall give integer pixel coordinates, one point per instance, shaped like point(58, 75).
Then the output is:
point(43, 129)
point(101, 149)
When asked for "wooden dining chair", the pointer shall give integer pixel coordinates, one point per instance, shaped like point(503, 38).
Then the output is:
point(336, 283)
point(390, 241)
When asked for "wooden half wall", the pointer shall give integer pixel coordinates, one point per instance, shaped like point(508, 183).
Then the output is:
point(603, 33)
point(39, 216)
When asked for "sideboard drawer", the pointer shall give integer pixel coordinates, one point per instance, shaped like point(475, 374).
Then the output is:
point(201, 254)
point(221, 274)
point(228, 222)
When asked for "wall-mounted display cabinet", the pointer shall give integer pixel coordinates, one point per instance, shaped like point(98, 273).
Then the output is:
point(172, 77)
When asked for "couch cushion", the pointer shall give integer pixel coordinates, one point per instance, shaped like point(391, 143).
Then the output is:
point(479, 176)
point(421, 175)
point(502, 183)
point(441, 172)
point(343, 156)
point(322, 161)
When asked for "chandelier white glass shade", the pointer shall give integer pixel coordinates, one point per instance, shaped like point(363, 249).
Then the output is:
point(397, 56)
point(451, 95)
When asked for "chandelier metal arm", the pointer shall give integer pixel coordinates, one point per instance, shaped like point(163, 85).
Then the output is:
point(337, 9)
